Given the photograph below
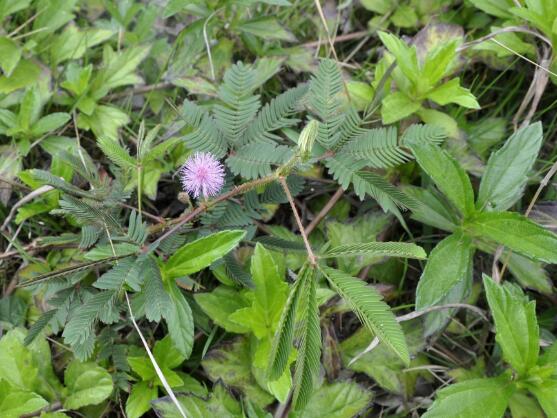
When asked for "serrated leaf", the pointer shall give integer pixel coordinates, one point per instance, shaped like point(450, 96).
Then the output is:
point(517, 233)
point(87, 384)
point(448, 175)
point(507, 170)
point(157, 300)
point(179, 319)
point(486, 398)
point(516, 325)
point(370, 308)
point(440, 275)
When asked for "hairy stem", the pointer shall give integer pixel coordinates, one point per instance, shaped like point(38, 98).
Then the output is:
point(311, 256)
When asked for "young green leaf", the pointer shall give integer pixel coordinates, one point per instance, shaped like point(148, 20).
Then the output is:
point(448, 175)
point(379, 249)
point(269, 296)
point(516, 325)
point(447, 267)
point(87, 384)
point(517, 233)
point(344, 399)
point(507, 170)
point(10, 54)
point(431, 210)
point(179, 320)
point(372, 311)
point(486, 398)
point(139, 400)
point(197, 255)
point(546, 394)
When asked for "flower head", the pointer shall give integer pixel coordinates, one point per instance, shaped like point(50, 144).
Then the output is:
point(202, 174)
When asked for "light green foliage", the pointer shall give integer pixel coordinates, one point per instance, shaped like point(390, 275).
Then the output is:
point(477, 397)
point(507, 170)
point(442, 282)
point(199, 254)
point(168, 358)
point(87, 384)
point(232, 364)
point(516, 325)
point(447, 175)
point(29, 382)
point(269, 296)
point(218, 403)
point(337, 400)
point(517, 233)
point(418, 79)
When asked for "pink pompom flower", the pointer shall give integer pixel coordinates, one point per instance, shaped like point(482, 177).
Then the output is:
point(202, 174)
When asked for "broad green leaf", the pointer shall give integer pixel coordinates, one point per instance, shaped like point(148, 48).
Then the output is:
point(49, 123)
point(516, 326)
point(378, 249)
point(431, 210)
point(499, 8)
point(546, 394)
point(448, 176)
point(270, 294)
point(266, 28)
point(17, 366)
point(166, 354)
point(406, 58)
point(72, 43)
point(104, 121)
point(439, 59)
point(522, 405)
point(7, 7)
point(18, 402)
point(337, 400)
point(232, 364)
point(139, 399)
point(447, 265)
point(397, 106)
point(219, 304)
point(218, 404)
point(87, 384)
point(24, 74)
point(27, 367)
point(118, 69)
point(10, 54)
point(197, 255)
point(486, 398)
point(507, 170)
point(142, 366)
point(517, 233)
point(179, 320)
point(453, 92)
point(370, 308)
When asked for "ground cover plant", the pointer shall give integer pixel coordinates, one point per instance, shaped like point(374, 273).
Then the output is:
point(241, 208)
